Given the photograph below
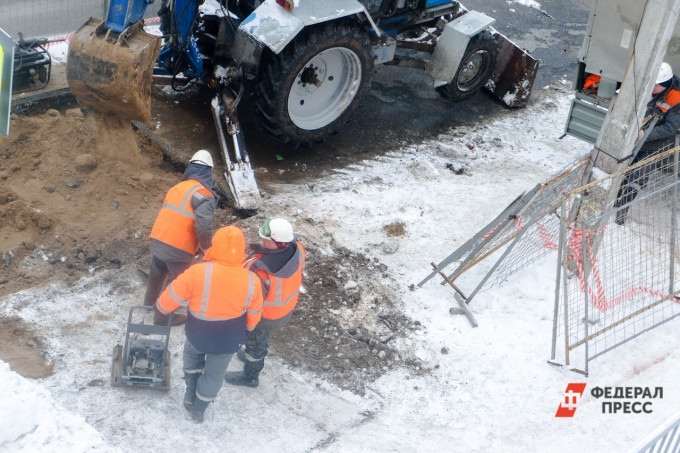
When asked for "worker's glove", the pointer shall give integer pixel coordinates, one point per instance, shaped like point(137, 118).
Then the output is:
point(640, 135)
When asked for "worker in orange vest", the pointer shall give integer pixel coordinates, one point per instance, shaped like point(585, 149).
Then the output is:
point(224, 301)
point(592, 82)
point(278, 262)
point(665, 104)
point(183, 228)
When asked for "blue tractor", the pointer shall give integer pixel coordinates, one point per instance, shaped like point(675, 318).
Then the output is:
point(307, 64)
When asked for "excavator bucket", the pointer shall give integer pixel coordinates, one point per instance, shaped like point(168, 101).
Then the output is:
point(514, 74)
point(112, 72)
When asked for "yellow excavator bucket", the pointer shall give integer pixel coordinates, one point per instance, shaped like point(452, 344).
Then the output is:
point(111, 72)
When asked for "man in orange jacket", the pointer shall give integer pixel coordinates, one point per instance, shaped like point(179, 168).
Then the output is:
point(665, 104)
point(278, 262)
point(183, 227)
point(224, 301)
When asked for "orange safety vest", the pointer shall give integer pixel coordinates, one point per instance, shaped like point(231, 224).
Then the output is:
point(283, 292)
point(671, 100)
point(214, 291)
point(175, 224)
point(592, 82)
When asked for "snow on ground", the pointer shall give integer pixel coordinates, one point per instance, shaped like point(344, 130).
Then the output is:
point(528, 3)
point(490, 390)
point(31, 420)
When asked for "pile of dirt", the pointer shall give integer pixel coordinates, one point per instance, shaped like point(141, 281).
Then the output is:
point(347, 323)
point(79, 194)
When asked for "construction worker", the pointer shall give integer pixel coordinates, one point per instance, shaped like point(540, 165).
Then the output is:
point(665, 105)
point(224, 301)
point(183, 228)
point(278, 262)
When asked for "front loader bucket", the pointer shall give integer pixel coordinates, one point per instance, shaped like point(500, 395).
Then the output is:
point(111, 72)
point(514, 74)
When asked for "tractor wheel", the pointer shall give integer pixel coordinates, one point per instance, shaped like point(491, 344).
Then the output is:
point(475, 68)
point(310, 89)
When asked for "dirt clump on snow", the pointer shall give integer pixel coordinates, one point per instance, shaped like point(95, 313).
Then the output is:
point(395, 229)
point(22, 349)
point(79, 194)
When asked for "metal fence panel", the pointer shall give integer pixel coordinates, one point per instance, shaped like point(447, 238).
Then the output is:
point(664, 439)
point(622, 259)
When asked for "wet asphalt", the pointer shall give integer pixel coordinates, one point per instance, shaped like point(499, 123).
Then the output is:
point(400, 108)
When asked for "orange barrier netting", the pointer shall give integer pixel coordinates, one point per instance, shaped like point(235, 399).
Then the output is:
point(597, 296)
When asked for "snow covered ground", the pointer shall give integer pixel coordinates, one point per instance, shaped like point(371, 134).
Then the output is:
point(492, 391)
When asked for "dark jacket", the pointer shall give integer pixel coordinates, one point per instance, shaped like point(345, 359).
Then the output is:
point(273, 262)
point(203, 208)
point(669, 124)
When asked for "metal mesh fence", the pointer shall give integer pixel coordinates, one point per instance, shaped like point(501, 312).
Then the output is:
point(539, 225)
point(619, 273)
point(525, 232)
point(519, 236)
point(52, 18)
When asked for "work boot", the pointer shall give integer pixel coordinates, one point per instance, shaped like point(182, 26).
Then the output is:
point(154, 287)
point(626, 195)
point(621, 216)
point(198, 410)
point(160, 319)
point(241, 355)
point(190, 379)
point(249, 377)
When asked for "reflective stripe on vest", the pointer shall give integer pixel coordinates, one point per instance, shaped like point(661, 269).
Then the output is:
point(671, 100)
point(182, 208)
point(207, 285)
point(176, 222)
point(275, 306)
point(207, 277)
point(277, 303)
point(174, 297)
point(251, 290)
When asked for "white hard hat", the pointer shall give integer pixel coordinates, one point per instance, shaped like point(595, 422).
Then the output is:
point(278, 230)
point(665, 73)
point(202, 157)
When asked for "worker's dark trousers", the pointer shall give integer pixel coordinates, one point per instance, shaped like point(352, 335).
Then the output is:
point(160, 272)
point(212, 368)
point(257, 341)
point(636, 180)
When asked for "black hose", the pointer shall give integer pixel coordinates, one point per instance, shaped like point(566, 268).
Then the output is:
point(228, 16)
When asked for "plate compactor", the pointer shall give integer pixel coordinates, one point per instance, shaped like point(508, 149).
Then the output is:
point(144, 360)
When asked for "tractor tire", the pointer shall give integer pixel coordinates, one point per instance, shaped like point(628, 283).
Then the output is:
point(308, 91)
point(475, 68)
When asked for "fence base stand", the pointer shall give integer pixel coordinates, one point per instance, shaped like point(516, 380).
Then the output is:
point(562, 365)
point(462, 309)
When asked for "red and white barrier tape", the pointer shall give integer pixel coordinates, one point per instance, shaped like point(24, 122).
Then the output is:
point(597, 296)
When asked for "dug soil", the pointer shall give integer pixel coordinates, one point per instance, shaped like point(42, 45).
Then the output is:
point(79, 194)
